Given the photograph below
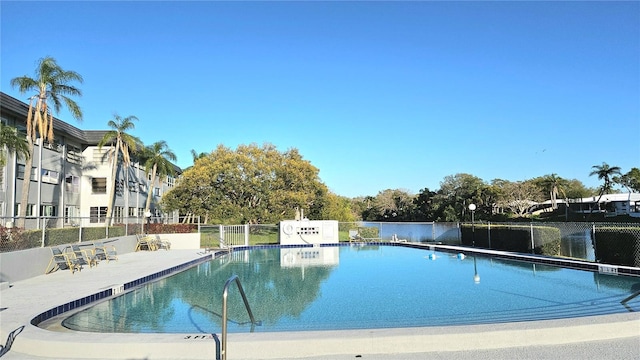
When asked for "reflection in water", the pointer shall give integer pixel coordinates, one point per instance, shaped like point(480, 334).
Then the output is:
point(355, 287)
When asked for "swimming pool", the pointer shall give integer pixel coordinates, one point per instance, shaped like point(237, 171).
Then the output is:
point(358, 287)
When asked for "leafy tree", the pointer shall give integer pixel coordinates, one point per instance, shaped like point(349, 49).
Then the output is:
point(252, 184)
point(120, 145)
point(158, 163)
point(554, 185)
point(425, 207)
point(456, 193)
point(630, 180)
point(51, 87)
point(604, 173)
point(393, 205)
point(11, 141)
point(519, 196)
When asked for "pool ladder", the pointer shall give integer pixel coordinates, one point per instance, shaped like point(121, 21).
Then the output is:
point(225, 292)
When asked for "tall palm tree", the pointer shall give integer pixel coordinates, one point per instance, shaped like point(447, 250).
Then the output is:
point(604, 172)
point(11, 141)
point(121, 144)
point(51, 88)
point(158, 159)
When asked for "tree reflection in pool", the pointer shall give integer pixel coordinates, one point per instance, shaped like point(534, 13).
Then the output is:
point(357, 287)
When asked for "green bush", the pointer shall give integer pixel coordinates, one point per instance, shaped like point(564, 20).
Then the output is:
point(618, 246)
point(516, 238)
point(369, 232)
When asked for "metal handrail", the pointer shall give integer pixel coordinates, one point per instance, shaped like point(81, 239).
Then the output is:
point(225, 293)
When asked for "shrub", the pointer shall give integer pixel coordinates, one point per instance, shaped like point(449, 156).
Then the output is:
point(516, 238)
point(618, 246)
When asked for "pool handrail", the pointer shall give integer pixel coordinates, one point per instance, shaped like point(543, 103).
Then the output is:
point(225, 294)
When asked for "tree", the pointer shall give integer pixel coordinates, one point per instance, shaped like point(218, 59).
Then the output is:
point(252, 184)
point(158, 163)
point(518, 196)
point(121, 144)
point(630, 180)
point(605, 173)
point(51, 87)
point(11, 141)
point(456, 193)
point(393, 205)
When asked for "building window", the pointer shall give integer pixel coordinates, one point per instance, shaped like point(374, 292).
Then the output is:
point(156, 191)
point(133, 212)
point(101, 155)
point(117, 214)
point(49, 176)
point(99, 185)
point(30, 209)
point(72, 184)
point(20, 172)
point(170, 181)
point(97, 214)
point(48, 210)
point(71, 215)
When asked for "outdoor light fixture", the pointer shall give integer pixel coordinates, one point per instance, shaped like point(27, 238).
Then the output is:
point(472, 207)
point(148, 216)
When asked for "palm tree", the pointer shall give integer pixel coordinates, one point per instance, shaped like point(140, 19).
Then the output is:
point(12, 142)
point(604, 172)
point(50, 87)
point(121, 144)
point(158, 159)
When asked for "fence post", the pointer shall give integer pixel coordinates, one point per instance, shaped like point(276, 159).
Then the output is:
point(593, 241)
point(533, 246)
point(246, 234)
point(489, 232)
point(44, 225)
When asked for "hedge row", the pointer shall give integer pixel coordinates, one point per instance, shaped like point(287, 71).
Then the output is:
point(618, 246)
point(513, 238)
point(26, 239)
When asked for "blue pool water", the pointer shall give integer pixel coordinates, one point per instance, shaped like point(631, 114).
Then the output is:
point(358, 287)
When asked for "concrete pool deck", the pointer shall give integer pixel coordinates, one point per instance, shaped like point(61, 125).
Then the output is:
point(604, 337)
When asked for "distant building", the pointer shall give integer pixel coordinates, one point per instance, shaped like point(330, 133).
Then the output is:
point(70, 178)
point(610, 205)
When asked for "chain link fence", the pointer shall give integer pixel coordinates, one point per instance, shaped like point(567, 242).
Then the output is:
point(611, 243)
point(51, 231)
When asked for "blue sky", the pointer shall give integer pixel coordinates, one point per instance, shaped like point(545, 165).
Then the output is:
point(377, 95)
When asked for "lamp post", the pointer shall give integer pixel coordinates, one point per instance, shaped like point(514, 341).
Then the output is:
point(476, 277)
point(148, 216)
point(9, 226)
point(472, 207)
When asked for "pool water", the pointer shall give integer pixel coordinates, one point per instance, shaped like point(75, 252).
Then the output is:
point(358, 287)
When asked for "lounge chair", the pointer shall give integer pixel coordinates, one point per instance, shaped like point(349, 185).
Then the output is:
point(354, 235)
point(62, 261)
point(85, 256)
point(101, 252)
point(145, 242)
point(162, 244)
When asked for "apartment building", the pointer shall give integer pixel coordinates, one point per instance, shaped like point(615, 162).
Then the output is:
point(70, 179)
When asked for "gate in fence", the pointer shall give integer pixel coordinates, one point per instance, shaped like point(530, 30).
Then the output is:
point(234, 235)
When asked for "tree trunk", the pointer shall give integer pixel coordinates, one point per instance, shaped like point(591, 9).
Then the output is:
point(26, 183)
point(112, 190)
point(150, 190)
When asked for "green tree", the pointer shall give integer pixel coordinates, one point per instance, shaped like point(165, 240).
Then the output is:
point(424, 204)
point(394, 205)
point(121, 144)
point(51, 88)
point(251, 184)
point(456, 193)
point(11, 141)
point(604, 173)
point(630, 180)
point(158, 163)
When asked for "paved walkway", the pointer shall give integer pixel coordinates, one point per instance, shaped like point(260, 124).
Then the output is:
point(602, 337)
